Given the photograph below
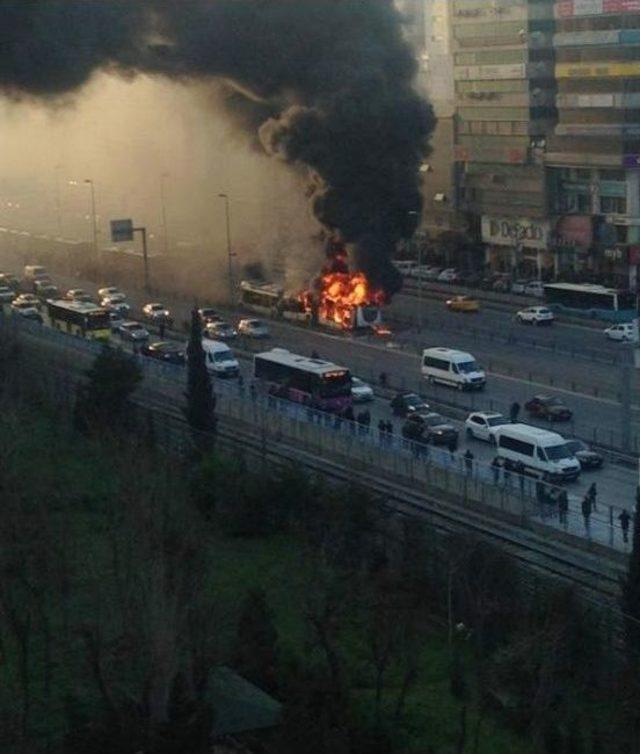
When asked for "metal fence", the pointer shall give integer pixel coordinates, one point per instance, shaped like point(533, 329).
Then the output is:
point(422, 467)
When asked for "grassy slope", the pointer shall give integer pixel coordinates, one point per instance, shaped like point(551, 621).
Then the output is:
point(279, 565)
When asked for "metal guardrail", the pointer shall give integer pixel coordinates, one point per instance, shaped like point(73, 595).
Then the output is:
point(476, 483)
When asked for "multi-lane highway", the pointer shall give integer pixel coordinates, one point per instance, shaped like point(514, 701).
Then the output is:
point(369, 357)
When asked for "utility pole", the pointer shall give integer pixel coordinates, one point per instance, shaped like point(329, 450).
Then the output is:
point(90, 183)
point(163, 177)
point(145, 258)
point(229, 252)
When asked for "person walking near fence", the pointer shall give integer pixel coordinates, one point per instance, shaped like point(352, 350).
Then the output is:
point(495, 470)
point(563, 507)
point(593, 493)
point(625, 520)
point(514, 411)
point(586, 512)
point(468, 462)
point(382, 428)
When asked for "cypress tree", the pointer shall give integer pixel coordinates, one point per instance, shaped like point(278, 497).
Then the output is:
point(201, 403)
point(631, 593)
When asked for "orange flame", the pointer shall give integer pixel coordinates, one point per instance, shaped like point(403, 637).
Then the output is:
point(340, 293)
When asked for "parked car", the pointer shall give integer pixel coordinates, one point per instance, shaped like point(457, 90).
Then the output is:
point(535, 315)
point(589, 458)
point(360, 391)
point(170, 353)
point(470, 279)
point(548, 407)
point(463, 304)
point(253, 328)
point(625, 332)
point(534, 288)
point(431, 273)
point(6, 294)
point(221, 331)
point(483, 426)
point(432, 427)
point(404, 404)
point(156, 312)
point(26, 309)
point(111, 292)
point(116, 321)
point(502, 284)
point(207, 314)
point(133, 332)
point(519, 286)
point(449, 275)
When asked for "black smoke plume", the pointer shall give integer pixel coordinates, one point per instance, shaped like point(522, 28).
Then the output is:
point(324, 84)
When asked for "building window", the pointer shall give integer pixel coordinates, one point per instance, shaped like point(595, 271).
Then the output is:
point(607, 174)
point(622, 233)
point(613, 205)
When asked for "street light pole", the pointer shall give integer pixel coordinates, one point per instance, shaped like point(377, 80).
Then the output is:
point(229, 252)
point(163, 177)
point(413, 213)
point(93, 214)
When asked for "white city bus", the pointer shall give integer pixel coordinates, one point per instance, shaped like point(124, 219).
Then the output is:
point(313, 382)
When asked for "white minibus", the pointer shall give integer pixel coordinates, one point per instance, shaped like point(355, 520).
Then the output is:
point(219, 359)
point(543, 454)
point(450, 367)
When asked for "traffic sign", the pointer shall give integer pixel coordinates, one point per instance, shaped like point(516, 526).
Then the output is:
point(121, 230)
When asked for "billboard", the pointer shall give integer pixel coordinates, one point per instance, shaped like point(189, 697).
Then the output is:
point(515, 231)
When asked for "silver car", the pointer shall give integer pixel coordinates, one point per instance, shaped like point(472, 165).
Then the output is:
point(360, 391)
point(253, 328)
point(133, 332)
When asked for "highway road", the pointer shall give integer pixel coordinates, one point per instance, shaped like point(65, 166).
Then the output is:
point(368, 357)
point(569, 361)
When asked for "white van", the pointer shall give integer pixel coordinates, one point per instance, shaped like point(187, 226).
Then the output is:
point(544, 454)
point(219, 359)
point(455, 368)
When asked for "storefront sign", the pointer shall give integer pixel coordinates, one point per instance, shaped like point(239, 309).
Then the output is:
point(574, 230)
point(515, 231)
point(571, 8)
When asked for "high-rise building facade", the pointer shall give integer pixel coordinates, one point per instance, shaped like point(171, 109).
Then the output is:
point(593, 154)
point(429, 30)
point(505, 107)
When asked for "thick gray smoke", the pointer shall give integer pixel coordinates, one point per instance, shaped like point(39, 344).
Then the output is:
point(323, 84)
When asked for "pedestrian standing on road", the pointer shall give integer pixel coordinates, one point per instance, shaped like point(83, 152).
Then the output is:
point(252, 391)
point(468, 462)
point(161, 328)
point(625, 520)
point(586, 512)
point(384, 379)
point(563, 507)
point(514, 411)
point(495, 470)
point(389, 428)
point(350, 418)
point(593, 493)
point(367, 421)
point(315, 354)
point(382, 427)
point(452, 444)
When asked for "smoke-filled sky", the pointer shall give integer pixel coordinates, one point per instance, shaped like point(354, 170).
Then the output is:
point(323, 85)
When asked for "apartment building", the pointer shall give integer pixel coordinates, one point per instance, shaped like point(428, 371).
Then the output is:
point(505, 107)
point(593, 153)
point(429, 30)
